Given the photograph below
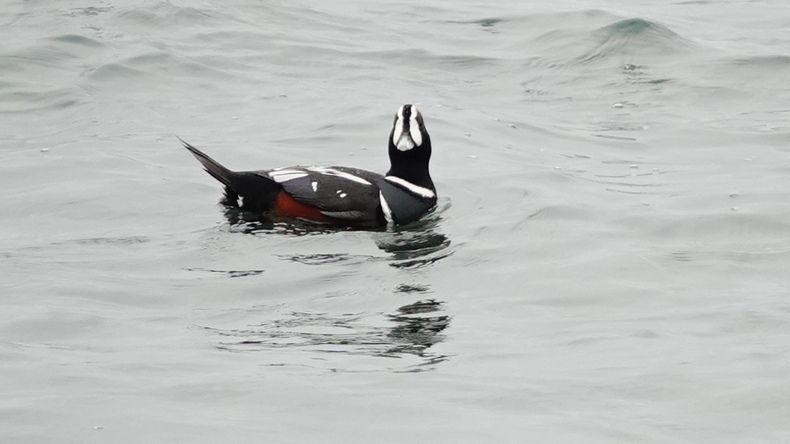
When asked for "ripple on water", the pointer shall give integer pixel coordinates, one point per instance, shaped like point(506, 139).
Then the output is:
point(759, 254)
point(78, 40)
point(428, 58)
point(759, 63)
point(418, 244)
point(90, 11)
point(228, 273)
point(19, 99)
point(407, 248)
point(414, 249)
point(326, 258)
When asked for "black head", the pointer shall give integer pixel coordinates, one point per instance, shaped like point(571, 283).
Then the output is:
point(410, 147)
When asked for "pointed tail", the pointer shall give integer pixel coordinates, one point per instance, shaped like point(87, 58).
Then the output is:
point(211, 166)
point(258, 191)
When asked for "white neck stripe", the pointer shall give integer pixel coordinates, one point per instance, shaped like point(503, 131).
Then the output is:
point(416, 189)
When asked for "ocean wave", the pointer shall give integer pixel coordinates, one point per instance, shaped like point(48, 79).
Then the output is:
point(166, 14)
point(634, 38)
point(625, 42)
point(156, 66)
point(114, 71)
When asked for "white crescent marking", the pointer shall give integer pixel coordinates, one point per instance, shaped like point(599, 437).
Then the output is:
point(385, 208)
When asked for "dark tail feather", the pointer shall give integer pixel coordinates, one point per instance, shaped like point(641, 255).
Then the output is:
point(258, 191)
point(211, 166)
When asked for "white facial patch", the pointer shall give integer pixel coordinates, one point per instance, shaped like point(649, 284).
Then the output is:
point(416, 189)
point(402, 140)
point(397, 131)
point(338, 173)
point(414, 127)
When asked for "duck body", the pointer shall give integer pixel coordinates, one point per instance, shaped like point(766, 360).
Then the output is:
point(338, 195)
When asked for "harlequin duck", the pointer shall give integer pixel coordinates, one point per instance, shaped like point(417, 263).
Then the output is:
point(338, 195)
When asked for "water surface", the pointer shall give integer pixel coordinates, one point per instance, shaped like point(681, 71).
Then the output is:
point(608, 262)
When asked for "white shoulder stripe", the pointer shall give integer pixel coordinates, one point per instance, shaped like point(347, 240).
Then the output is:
point(385, 208)
point(281, 176)
point(416, 189)
point(338, 173)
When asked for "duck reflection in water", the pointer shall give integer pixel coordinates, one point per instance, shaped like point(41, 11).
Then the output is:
point(417, 328)
point(410, 332)
point(417, 244)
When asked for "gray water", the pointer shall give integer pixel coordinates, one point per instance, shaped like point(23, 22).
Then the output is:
point(608, 262)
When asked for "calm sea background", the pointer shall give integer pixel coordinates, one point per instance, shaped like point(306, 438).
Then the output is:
point(609, 262)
